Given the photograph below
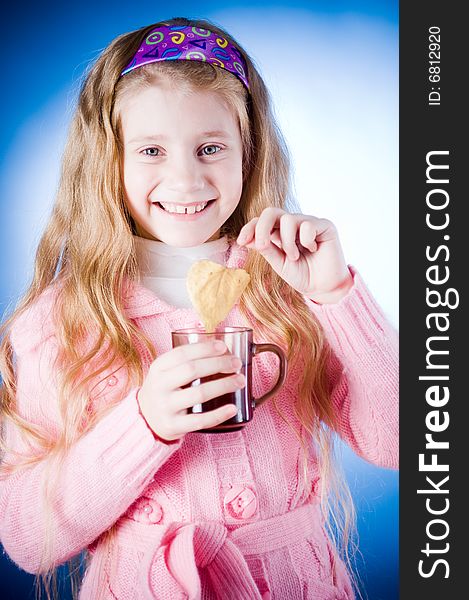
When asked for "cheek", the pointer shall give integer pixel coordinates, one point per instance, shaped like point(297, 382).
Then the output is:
point(135, 183)
point(127, 177)
point(233, 178)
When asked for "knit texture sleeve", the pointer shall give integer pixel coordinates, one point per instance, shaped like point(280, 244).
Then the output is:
point(364, 371)
point(104, 472)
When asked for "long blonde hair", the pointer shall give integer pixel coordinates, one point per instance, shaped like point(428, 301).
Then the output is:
point(87, 250)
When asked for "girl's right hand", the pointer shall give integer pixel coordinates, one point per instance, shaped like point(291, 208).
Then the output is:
point(163, 402)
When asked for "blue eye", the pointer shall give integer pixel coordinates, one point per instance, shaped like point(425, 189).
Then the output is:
point(211, 146)
point(151, 152)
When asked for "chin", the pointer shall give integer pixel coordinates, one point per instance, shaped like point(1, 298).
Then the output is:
point(186, 241)
point(189, 240)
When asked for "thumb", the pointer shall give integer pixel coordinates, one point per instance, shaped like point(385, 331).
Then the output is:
point(272, 254)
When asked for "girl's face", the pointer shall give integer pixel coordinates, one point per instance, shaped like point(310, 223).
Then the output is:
point(182, 164)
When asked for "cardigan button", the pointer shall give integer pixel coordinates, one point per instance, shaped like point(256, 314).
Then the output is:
point(112, 380)
point(240, 502)
point(147, 511)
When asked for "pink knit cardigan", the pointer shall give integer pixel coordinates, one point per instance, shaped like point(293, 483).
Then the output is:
point(211, 515)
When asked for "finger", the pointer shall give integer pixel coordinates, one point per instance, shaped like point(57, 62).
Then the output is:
point(267, 223)
point(186, 352)
point(246, 233)
point(203, 367)
point(274, 255)
point(276, 239)
point(307, 235)
point(208, 390)
point(194, 422)
point(288, 231)
point(325, 230)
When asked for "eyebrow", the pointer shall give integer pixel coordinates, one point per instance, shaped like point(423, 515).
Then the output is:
point(150, 138)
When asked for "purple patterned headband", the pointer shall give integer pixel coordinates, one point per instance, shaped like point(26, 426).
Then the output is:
point(177, 42)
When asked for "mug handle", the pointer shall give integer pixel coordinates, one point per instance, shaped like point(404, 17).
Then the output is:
point(257, 349)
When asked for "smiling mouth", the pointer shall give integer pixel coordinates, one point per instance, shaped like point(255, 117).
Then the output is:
point(184, 210)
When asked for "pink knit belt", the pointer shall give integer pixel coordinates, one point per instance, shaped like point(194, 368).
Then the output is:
point(186, 547)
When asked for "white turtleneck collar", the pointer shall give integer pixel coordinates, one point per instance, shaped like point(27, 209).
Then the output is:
point(163, 269)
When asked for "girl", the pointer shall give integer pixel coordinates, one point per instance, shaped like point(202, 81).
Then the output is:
point(173, 156)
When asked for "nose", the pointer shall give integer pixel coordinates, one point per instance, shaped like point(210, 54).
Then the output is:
point(184, 175)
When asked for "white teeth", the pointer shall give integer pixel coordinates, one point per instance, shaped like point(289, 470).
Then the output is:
point(178, 208)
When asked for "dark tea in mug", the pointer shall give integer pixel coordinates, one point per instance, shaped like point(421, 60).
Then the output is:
point(239, 343)
point(240, 398)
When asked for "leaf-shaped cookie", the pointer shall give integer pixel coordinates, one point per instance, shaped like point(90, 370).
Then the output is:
point(214, 290)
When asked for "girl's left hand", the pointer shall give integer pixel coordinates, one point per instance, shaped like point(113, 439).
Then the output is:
point(303, 250)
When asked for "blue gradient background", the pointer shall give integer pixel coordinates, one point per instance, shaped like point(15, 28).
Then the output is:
point(335, 92)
